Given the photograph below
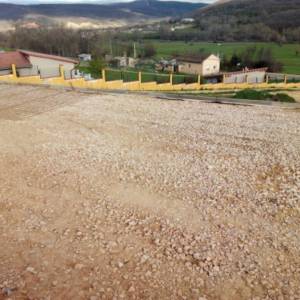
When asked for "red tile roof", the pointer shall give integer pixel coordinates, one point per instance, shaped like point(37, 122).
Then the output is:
point(17, 58)
point(48, 56)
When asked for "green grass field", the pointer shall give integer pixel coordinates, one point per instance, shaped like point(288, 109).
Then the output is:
point(127, 76)
point(286, 53)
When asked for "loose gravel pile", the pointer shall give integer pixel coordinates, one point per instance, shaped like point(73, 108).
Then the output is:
point(132, 197)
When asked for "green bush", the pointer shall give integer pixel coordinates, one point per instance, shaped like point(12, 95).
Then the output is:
point(95, 67)
point(263, 95)
point(252, 95)
point(281, 97)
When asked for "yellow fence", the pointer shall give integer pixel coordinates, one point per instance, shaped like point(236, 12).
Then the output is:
point(81, 83)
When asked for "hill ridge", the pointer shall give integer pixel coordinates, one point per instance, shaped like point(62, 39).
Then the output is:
point(267, 20)
point(127, 10)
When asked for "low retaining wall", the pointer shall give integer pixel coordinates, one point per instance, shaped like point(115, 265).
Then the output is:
point(136, 85)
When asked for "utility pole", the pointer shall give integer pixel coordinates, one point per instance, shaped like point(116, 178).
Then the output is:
point(111, 48)
point(134, 51)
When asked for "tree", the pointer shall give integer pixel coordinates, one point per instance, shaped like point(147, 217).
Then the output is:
point(149, 50)
point(235, 60)
point(253, 57)
point(265, 58)
point(95, 67)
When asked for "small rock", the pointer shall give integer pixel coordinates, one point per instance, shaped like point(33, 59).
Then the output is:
point(156, 242)
point(31, 270)
point(54, 283)
point(131, 289)
point(79, 266)
point(197, 256)
point(144, 258)
point(148, 273)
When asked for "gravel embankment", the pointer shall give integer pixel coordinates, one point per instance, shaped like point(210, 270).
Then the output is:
point(131, 197)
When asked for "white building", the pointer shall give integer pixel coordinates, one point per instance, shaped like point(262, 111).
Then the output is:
point(205, 66)
point(85, 57)
point(188, 20)
point(125, 61)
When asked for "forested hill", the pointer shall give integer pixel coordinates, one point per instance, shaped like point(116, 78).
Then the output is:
point(135, 9)
point(251, 20)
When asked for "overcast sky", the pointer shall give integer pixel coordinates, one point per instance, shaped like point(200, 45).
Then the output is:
point(87, 1)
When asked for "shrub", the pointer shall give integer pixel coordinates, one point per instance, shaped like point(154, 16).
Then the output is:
point(263, 95)
point(95, 67)
point(252, 95)
point(281, 97)
point(149, 51)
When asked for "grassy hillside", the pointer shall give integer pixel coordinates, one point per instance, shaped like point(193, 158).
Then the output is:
point(247, 20)
point(276, 13)
point(286, 54)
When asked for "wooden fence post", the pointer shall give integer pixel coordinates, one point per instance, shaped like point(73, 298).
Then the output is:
point(171, 78)
point(140, 77)
point(285, 79)
point(247, 79)
point(267, 78)
point(199, 79)
point(104, 75)
point(14, 70)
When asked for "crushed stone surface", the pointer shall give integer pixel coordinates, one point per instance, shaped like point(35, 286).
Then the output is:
point(130, 197)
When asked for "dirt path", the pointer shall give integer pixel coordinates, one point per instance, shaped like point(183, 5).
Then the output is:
point(131, 197)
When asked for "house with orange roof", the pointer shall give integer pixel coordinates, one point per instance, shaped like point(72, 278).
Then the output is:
point(30, 63)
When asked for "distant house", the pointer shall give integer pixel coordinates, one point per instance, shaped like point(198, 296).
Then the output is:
point(85, 57)
point(108, 58)
point(167, 66)
point(202, 65)
point(30, 25)
point(122, 61)
point(35, 63)
point(47, 65)
point(187, 20)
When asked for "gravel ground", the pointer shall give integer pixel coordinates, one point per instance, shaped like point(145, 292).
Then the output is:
point(131, 197)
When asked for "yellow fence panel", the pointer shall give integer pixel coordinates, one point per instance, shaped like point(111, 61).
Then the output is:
point(139, 85)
